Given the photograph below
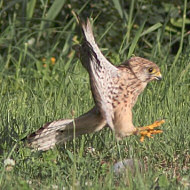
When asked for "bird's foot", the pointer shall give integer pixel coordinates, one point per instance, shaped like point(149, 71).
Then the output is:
point(148, 131)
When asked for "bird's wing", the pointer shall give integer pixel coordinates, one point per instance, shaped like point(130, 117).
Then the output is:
point(102, 74)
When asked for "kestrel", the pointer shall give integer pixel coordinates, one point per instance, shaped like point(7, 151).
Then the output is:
point(115, 91)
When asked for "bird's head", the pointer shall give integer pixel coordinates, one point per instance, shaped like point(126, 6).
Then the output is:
point(144, 69)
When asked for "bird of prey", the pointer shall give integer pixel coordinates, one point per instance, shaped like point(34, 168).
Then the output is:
point(115, 91)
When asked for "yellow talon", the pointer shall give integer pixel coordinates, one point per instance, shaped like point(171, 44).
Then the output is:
point(148, 131)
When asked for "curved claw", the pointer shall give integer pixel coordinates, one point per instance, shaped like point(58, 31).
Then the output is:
point(148, 131)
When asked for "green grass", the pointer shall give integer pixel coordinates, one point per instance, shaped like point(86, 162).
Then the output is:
point(32, 94)
point(28, 102)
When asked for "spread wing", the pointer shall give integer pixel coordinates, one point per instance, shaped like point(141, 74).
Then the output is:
point(102, 74)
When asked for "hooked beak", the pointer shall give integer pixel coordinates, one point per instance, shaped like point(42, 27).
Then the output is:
point(158, 76)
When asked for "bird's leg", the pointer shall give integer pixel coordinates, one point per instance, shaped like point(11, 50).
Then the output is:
point(149, 130)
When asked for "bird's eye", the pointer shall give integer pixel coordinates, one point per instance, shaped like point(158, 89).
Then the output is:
point(150, 70)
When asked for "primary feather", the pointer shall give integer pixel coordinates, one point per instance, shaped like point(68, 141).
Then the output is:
point(101, 71)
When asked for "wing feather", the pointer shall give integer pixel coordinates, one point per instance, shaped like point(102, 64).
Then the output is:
point(101, 73)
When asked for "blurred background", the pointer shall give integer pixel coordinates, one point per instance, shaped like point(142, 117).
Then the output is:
point(47, 28)
point(42, 80)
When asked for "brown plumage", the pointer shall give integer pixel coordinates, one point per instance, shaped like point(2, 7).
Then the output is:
point(60, 131)
point(115, 91)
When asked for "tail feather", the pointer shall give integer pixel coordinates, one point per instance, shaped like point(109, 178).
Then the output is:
point(60, 131)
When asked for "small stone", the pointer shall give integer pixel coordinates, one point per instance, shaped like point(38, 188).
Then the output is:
point(127, 164)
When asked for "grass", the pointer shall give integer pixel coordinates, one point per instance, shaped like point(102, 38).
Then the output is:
point(35, 90)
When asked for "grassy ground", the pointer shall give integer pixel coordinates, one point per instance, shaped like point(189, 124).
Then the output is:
point(34, 90)
point(28, 101)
